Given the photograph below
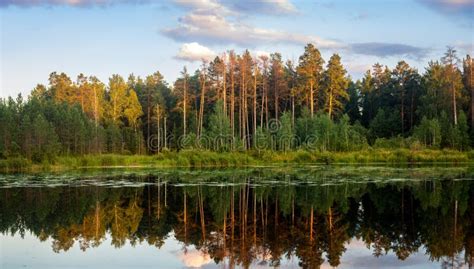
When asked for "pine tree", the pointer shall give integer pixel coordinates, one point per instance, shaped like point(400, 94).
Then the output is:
point(219, 129)
point(310, 70)
point(132, 110)
point(463, 131)
point(453, 78)
point(117, 98)
point(335, 86)
point(468, 79)
point(402, 73)
point(182, 87)
point(46, 146)
point(353, 105)
point(277, 83)
point(62, 88)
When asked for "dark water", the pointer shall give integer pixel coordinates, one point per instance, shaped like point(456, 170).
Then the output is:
point(319, 217)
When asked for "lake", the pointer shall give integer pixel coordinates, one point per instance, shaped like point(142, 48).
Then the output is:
point(286, 217)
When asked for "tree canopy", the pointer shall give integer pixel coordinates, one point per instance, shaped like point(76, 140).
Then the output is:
point(247, 100)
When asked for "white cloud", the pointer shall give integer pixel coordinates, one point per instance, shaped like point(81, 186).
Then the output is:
point(283, 5)
point(212, 22)
point(195, 52)
point(381, 49)
point(456, 9)
point(195, 258)
point(79, 3)
point(259, 53)
point(269, 7)
point(205, 6)
point(464, 47)
point(357, 68)
point(199, 4)
point(216, 29)
point(222, 7)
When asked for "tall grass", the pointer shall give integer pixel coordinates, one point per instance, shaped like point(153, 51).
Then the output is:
point(16, 164)
point(202, 158)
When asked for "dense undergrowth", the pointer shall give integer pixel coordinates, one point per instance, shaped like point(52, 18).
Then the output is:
point(200, 158)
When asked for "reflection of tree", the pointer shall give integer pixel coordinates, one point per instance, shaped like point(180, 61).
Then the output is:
point(126, 216)
point(469, 244)
point(93, 227)
point(247, 223)
point(336, 236)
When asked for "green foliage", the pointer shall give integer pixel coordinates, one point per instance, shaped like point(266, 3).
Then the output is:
point(246, 105)
point(323, 134)
point(349, 137)
point(263, 139)
point(463, 132)
point(305, 129)
point(133, 110)
point(335, 86)
point(45, 140)
point(285, 135)
point(455, 136)
point(384, 125)
point(428, 132)
point(392, 143)
point(188, 141)
point(219, 132)
point(354, 104)
point(113, 138)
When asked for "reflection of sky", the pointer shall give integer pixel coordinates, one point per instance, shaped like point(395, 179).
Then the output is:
point(359, 256)
point(31, 253)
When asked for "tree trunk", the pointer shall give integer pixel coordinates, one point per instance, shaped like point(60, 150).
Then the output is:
point(263, 103)
point(277, 96)
point(201, 105)
point(96, 119)
point(311, 98)
point(455, 113)
point(266, 109)
point(412, 108)
point(184, 107)
point(165, 137)
point(224, 88)
point(403, 110)
point(158, 127)
point(331, 96)
point(311, 217)
point(242, 104)
point(472, 102)
point(293, 109)
point(148, 114)
point(232, 100)
point(255, 104)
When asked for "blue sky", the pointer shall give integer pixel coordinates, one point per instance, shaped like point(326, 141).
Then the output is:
point(104, 37)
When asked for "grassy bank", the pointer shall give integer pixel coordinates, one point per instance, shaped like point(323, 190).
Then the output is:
point(197, 158)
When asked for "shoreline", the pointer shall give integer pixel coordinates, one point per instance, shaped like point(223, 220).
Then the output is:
point(209, 159)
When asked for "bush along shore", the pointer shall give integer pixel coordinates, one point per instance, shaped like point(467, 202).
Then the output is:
point(203, 158)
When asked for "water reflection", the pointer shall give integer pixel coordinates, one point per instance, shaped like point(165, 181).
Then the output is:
point(252, 221)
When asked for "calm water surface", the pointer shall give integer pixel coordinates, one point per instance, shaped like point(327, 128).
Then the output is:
point(318, 217)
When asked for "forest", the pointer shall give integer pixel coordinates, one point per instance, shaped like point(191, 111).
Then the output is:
point(245, 103)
